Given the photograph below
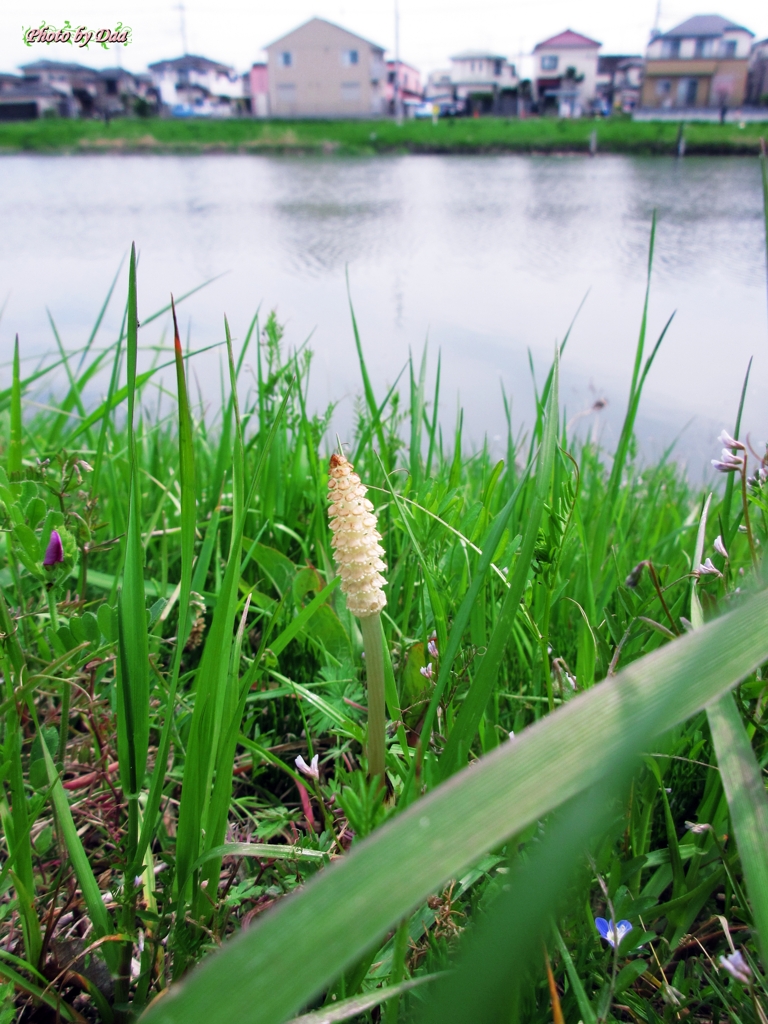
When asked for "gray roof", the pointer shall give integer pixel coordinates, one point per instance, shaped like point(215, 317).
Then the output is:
point(30, 90)
point(56, 65)
point(190, 62)
point(703, 25)
point(478, 55)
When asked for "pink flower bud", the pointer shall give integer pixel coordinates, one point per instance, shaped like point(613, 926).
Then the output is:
point(54, 553)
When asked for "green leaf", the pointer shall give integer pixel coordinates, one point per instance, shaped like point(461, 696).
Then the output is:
point(275, 967)
point(748, 804)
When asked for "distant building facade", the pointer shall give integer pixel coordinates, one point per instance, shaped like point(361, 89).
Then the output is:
point(757, 75)
point(258, 90)
point(196, 86)
point(323, 70)
point(619, 82)
point(566, 73)
point(408, 81)
point(83, 91)
point(23, 99)
point(484, 82)
point(702, 62)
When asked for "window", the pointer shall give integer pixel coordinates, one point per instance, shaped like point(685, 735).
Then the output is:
point(286, 92)
point(111, 87)
point(497, 67)
point(663, 87)
point(728, 48)
point(349, 57)
point(350, 92)
point(391, 77)
point(670, 48)
point(704, 47)
point(687, 88)
point(549, 63)
point(286, 59)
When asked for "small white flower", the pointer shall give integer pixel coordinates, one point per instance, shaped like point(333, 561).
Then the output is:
point(737, 967)
point(511, 734)
point(84, 466)
point(698, 827)
point(312, 771)
point(725, 439)
point(426, 671)
point(720, 547)
point(728, 463)
point(707, 569)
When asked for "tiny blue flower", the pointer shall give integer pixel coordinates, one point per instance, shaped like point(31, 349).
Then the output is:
point(612, 934)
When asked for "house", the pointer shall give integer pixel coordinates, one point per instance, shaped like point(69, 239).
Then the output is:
point(619, 81)
point(87, 92)
point(565, 73)
point(323, 70)
point(757, 75)
point(258, 89)
point(193, 86)
point(439, 87)
point(485, 82)
point(701, 63)
point(23, 99)
point(407, 79)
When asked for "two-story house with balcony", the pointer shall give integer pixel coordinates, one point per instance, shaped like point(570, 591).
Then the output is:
point(323, 70)
point(196, 86)
point(486, 83)
point(701, 63)
point(565, 74)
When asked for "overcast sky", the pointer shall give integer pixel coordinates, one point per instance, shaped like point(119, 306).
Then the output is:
point(235, 31)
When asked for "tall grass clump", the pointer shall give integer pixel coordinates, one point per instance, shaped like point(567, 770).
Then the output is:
point(527, 785)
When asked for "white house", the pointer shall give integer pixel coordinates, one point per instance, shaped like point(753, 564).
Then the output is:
point(565, 74)
point(195, 86)
point(486, 82)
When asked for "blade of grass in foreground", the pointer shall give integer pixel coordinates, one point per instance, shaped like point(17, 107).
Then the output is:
point(748, 804)
point(270, 971)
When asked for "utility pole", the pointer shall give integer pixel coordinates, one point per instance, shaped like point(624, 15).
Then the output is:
point(182, 11)
point(398, 96)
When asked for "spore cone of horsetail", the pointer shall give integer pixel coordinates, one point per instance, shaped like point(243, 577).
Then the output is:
point(357, 552)
point(355, 540)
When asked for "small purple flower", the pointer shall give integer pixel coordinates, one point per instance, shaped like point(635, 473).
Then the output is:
point(707, 569)
point(737, 967)
point(613, 934)
point(426, 671)
point(432, 649)
point(54, 553)
point(728, 462)
point(720, 547)
point(727, 441)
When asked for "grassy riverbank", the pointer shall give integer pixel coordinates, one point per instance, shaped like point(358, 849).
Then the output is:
point(561, 744)
point(462, 135)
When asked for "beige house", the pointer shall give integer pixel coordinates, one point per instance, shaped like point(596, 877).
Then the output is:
point(701, 63)
point(322, 70)
point(566, 73)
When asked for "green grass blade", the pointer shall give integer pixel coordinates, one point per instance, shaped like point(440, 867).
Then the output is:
point(744, 788)
point(97, 912)
point(133, 652)
point(463, 732)
point(271, 970)
point(15, 446)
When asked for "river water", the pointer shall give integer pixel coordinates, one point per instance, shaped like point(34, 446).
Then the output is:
point(488, 257)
